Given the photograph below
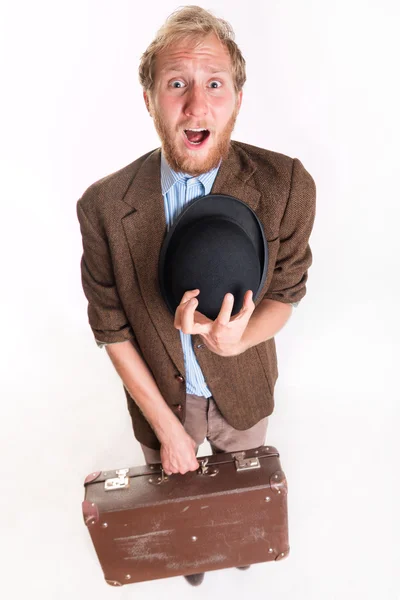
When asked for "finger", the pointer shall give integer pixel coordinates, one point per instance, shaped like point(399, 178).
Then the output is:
point(248, 299)
point(167, 467)
point(171, 469)
point(224, 315)
point(187, 316)
point(188, 295)
point(247, 308)
point(191, 466)
point(248, 304)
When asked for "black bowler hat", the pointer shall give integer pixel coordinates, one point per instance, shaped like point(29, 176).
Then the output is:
point(217, 245)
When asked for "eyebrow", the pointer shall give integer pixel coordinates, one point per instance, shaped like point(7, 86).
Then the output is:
point(177, 67)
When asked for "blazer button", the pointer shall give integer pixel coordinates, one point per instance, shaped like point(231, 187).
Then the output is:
point(179, 378)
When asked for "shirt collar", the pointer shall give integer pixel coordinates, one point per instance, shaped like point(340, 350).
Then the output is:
point(169, 177)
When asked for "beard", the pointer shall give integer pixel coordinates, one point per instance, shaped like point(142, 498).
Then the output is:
point(192, 164)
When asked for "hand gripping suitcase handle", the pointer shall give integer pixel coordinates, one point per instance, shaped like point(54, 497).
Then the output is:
point(204, 470)
point(241, 462)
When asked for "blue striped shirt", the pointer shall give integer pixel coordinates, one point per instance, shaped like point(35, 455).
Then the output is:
point(178, 190)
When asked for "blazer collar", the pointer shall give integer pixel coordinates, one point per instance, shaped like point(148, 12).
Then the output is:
point(232, 177)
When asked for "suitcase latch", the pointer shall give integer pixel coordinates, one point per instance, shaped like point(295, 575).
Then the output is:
point(246, 464)
point(117, 483)
point(205, 468)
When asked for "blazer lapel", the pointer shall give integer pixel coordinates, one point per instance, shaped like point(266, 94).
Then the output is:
point(233, 176)
point(145, 229)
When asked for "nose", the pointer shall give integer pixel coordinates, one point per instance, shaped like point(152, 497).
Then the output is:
point(196, 102)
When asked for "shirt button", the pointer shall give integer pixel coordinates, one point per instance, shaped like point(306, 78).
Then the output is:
point(179, 378)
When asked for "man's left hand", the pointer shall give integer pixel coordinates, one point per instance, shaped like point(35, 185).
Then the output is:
point(222, 336)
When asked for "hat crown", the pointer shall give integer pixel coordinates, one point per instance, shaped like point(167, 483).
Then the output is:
point(215, 256)
point(216, 244)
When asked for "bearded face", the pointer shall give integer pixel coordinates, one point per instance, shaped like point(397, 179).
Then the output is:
point(194, 104)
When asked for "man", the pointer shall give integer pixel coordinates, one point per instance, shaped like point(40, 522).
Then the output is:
point(188, 378)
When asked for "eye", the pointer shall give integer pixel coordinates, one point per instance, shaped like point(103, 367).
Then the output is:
point(177, 81)
point(215, 84)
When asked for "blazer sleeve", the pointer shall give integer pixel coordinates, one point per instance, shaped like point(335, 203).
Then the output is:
point(294, 256)
point(107, 318)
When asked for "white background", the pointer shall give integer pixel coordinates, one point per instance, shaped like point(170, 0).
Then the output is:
point(322, 86)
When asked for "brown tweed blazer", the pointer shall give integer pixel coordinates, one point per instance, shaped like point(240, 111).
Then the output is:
point(123, 225)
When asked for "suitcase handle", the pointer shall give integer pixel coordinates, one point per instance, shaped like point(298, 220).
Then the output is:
point(204, 471)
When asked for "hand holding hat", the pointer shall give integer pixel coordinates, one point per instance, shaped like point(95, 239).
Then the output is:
point(222, 336)
point(214, 258)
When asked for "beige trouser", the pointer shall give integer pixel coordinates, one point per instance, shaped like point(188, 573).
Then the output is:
point(205, 421)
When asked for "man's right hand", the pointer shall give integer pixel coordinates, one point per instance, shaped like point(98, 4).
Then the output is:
point(178, 453)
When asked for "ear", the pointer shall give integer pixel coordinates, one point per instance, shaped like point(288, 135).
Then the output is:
point(239, 100)
point(147, 101)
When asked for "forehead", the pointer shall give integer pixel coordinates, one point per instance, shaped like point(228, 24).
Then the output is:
point(207, 53)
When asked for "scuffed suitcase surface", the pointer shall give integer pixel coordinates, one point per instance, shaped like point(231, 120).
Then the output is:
point(184, 524)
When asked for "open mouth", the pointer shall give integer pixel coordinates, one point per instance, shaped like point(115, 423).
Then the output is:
point(196, 136)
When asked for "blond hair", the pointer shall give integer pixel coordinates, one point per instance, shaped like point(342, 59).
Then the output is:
point(192, 23)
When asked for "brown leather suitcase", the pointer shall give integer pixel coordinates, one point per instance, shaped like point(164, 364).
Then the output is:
point(231, 512)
